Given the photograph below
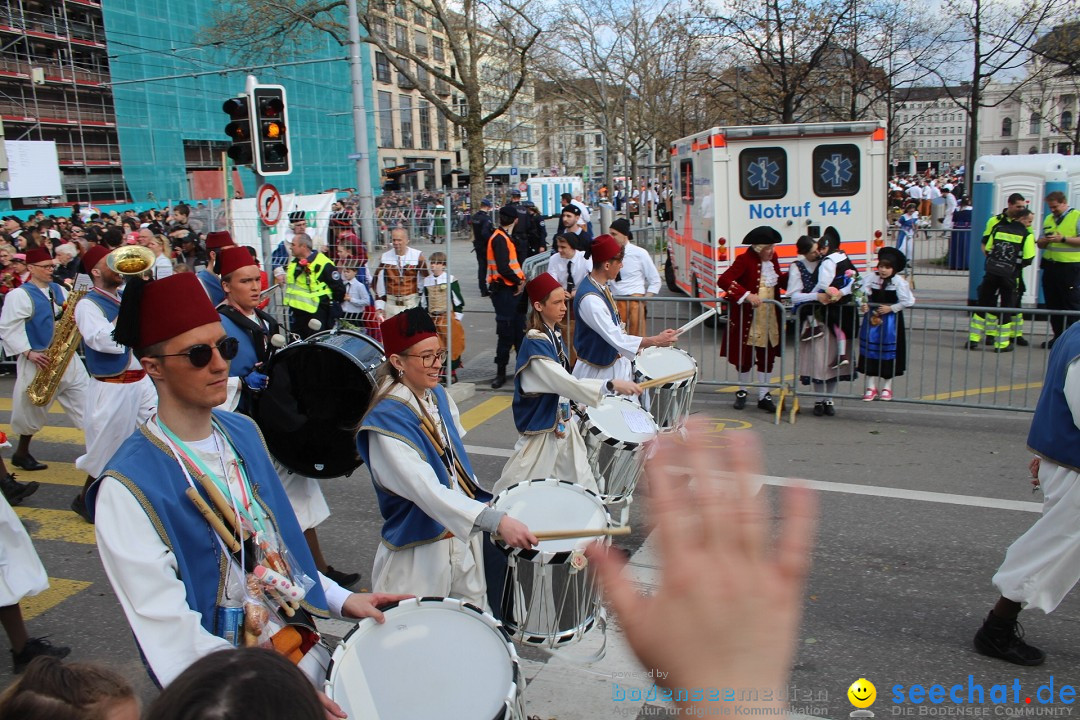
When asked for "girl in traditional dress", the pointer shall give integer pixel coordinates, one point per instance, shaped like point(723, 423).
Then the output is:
point(882, 344)
point(551, 446)
point(433, 509)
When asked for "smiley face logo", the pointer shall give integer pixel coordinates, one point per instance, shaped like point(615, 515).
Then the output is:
point(862, 693)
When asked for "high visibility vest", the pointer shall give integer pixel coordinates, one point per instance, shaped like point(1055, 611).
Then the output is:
point(303, 291)
point(494, 276)
point(1059, 251)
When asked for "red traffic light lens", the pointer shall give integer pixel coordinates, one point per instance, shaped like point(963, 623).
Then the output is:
point(271, 107)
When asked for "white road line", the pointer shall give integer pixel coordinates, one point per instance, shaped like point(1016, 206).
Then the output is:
point(493, 452)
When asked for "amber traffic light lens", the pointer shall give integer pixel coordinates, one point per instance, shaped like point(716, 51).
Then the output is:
point(273, 130)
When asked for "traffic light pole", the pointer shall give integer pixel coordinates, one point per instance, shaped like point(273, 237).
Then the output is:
point(366, 207)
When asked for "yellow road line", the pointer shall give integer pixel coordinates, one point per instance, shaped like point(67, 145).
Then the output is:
point(983, 391)
point(5, 406)
point(62, 525)
point(59, 591)
point(59, 473)
point(68, 435)
point(485, 411)
point(735, 388)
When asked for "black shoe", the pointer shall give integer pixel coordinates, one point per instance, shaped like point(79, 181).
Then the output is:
point(15, 491)
point(740, 400)
point(1047, 344)
point(27, 463)
point(78, 506)
point(988, 341)
point(819, 409)
point(1004, 639)
point(766, 403)
point(1022, 341)
point(972, 345)
point(830, 409)
point(345, 580)
point(500, 378)
point(36, 647)
point(1007, 348)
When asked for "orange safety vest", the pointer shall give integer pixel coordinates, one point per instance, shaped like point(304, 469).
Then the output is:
point(494, 275)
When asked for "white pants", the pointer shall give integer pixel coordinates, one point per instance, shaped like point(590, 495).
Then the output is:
point(400, 303)
point(26, 417)
point(1043, 564)
point(21, 572)
point(305, 496)
point(113, 412)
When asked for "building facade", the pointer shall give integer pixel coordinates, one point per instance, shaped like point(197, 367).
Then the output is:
point(568, 143)
point(929, 125)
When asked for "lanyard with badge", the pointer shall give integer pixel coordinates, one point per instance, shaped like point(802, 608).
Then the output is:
point(563, 417)
point(272, 581)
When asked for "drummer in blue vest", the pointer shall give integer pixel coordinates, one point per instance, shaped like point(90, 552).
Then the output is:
point(254, 331)
point(551, 445)
point(210, 276)
point(120, 397)
point(604, 350)
point(187, 586)
point(433, 510)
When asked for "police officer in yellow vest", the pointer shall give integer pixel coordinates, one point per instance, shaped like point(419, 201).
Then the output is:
point(1060, 243)
point(313, 288)
point(1009, 249)
point(1016, 204)
point(505, 283)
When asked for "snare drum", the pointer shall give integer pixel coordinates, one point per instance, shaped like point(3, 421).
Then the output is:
point(550, 596)
point(669, 403)
point(615, 433)
point(433, 657)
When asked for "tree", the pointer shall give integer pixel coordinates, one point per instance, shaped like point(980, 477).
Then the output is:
point(489, 43)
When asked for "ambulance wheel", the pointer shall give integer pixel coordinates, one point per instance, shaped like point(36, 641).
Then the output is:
point(669, 275)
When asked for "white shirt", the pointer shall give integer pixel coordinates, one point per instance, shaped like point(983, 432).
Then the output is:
point(18, 308)
point(827, 273)
point(586, 216)
point(163, 267)
point(580, 266)
point(594, 312)
point(144, 576)
point(639, 274)
point(915, 192)
point(795, 290)
point(356, 297)
point(927, 192)
point(905, 298)
point(97, 331)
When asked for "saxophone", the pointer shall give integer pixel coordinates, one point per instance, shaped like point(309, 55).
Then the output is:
point(65, 341)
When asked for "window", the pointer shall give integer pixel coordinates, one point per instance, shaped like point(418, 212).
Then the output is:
point(420, 43)
point(437, 48)
point(425, 125)
point(386, 120)
point(405, 113)
point(418, 16)
point(382, 68)
point(402, 79)
point(440, 123)
point(1035, 125)
point(1066, 120)
point(421, 76)
point(763, 173)
point(685, 181)
point(380, 28)
point(399, 9)
point(1033, 151)
point(401, 37)
point(1005, 151)
point(598, 140)
point(579, 141)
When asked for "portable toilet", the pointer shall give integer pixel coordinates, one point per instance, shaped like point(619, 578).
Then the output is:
point(1072, 179)
point(995, 178)
point(546, 192)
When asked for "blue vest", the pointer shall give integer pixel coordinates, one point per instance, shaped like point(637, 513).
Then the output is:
point(1053, 435)
point(100, 364)
point(589, 344)
point(145, 466)
point(212, 283)
point(39, 326)
point(535, 413)
point(245, 359)
point(404, 523)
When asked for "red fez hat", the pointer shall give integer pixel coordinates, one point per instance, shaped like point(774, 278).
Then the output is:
point(158, 310)
point(406, 329)
point(541, 286)
point(604, 248)
point(36, 255)
point(218, 240)
point(93, 256)
point(234, 258)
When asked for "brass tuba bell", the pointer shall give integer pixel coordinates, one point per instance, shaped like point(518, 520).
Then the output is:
point(130, 260)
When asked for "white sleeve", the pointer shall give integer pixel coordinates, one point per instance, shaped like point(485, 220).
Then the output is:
point(95, 329)
point(905, 298)
point(143, 574)
point(542, 375)
point(18, 308)
point(594, 313)
point(232, 394)
point(795, 288)
point(380, 287)
point(335, 595)
point(652, 276)
point(826, 274)
point(402, 471)
point(1072, 390)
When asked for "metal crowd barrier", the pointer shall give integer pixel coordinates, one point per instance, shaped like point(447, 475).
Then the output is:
point(936, 251)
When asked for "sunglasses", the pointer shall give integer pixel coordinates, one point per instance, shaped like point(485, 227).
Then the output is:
point(200, 354)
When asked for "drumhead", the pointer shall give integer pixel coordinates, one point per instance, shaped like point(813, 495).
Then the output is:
point(431, 657)
point(658, 362)
point(551, 504)
point(319, 389)
point(621, 420)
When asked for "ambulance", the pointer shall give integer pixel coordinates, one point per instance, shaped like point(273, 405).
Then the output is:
point(797, 179)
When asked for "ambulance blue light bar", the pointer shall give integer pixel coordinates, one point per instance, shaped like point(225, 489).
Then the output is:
point(801, 130)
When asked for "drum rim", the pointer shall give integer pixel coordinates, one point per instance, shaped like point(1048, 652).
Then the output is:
point(454, 604)
point(548, 557)
point(593, 429)
point(676, 383)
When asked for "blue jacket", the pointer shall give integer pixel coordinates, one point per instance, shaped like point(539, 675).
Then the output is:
point(589, 344)
point(1053, 434)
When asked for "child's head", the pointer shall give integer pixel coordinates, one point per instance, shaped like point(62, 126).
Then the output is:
point(438, 263)
point(564, 247)
point(78, 691)
point(348, 273)
point(548, 300)
point(910, 207)
point(808, 248)
point(890, 262)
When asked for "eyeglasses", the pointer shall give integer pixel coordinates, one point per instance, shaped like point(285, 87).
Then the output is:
point(200, 354)
point(44, 265)
point(429, 359)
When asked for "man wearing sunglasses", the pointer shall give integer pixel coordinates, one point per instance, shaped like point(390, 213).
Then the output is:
point(26, 330)
point(120, 395)
point(182, 582)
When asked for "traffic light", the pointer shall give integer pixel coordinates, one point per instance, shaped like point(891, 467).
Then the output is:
point(239, 129)
point(271, 130)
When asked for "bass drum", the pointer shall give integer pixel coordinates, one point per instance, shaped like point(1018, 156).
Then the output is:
point(319, 389)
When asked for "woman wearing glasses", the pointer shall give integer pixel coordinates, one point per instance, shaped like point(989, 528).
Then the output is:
point(432, 507)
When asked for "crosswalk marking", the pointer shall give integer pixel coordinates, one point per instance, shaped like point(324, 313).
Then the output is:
point(5, 406)
point(68, 435)
point(63, 525)
point(485, 411)
point(60, 589)
point(59, 473)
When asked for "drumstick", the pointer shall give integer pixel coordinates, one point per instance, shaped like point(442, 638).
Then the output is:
point(667, 379)
point(696, 321)
point(214, 520)
point(542, 535)
point(222, 505)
